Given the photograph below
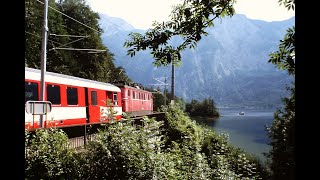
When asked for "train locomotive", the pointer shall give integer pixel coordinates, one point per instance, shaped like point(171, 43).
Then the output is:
point(77, 101)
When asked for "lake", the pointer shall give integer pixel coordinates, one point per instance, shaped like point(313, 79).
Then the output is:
point(246, 131)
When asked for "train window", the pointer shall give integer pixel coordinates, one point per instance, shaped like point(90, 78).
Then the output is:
point(72, 96)
point(128, 93)
point(109, 98)
point(115, 99)
point(109, 95)
point(31, 91)
point(94, 101)
point(53, 94)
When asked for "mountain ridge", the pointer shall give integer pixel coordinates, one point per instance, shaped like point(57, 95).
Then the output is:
point(215, 68)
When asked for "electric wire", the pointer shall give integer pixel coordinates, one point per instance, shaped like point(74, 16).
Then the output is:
point(71, 18)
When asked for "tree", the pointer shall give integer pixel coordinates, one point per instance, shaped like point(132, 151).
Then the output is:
point(71, 24)
point(205, 108)
point(282, 130)
point(84, 64)
point(284, 58)
point(33, 35)
point(188, 21)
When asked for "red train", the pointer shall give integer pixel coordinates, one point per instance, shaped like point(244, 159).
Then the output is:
point(77, 101)
point(135, 100)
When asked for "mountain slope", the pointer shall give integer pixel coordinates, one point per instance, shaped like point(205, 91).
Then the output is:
point(230, 64)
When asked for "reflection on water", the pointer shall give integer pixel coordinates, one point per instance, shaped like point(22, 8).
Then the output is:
point(245, 131)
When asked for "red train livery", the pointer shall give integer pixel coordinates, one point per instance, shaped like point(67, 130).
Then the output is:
point(135, 100)
point(77, 101)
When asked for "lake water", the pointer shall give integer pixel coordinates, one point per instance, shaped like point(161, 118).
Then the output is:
point(247, 131)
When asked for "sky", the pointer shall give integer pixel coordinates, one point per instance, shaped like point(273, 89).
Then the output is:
point(141, 13)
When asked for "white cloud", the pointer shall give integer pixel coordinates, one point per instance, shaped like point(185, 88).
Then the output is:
point(267, 10)
point(139, 13)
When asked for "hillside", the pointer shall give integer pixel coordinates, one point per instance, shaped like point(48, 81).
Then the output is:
point(230, 64)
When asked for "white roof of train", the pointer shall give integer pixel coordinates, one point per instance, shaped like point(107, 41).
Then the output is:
point(35, 74)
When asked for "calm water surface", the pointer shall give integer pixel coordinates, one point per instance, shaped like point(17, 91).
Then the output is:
point(245, 131)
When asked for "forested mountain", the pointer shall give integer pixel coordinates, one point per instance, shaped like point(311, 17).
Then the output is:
point(229, 65)
point(74, 35)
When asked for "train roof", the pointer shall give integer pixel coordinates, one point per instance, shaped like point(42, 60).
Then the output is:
point(35, 74)
point(135, 86)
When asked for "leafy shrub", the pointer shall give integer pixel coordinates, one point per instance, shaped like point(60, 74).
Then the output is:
point(282, 136)
point(47, 154)
point(122, 151)
point(177, 148)
point(223, 159)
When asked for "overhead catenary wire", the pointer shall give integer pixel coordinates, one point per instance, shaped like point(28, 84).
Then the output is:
point(66, 35)
point(73, 30)
point(72, 18)
point(40, 37)
point(91, 50)
point(75, 49)
point(70, 42)
point(62, 45)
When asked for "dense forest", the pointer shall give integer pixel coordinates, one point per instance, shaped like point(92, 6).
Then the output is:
point(74, 45)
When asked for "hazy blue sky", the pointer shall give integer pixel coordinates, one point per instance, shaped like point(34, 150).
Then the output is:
point(141, 13)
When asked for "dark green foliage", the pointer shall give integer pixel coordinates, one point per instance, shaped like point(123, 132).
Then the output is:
point(123, 151)
point(180, 128)
point(47, 155)
point(177, 148)
point(33, 35)
point(188, 21)
point(221, 159)
point(62, 29)
point(289, 4)
point(284, 58)
point(282, 135)
point(205, 108)
point(282, 131)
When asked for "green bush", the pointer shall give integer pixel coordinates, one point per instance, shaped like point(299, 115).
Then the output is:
point(47, 155)
point(282, 140)
point(176, 148)
point(223, 159)
point(123, 151)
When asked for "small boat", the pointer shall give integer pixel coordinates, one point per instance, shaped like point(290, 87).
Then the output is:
point(241, 113)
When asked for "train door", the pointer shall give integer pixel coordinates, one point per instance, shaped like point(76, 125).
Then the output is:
point(31, 94)
point(124, 100)
point(129, 100)
point(132, 97)
point(93, 107)
point(86, 98)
